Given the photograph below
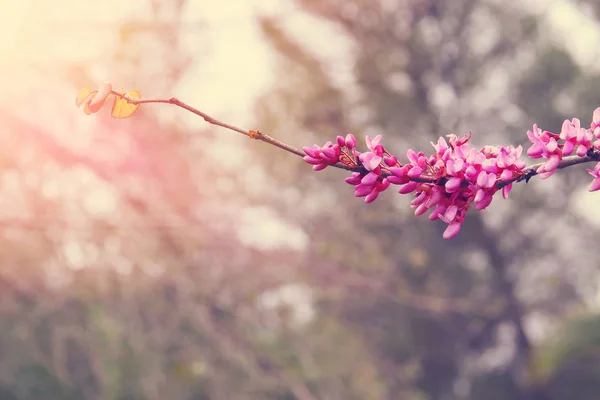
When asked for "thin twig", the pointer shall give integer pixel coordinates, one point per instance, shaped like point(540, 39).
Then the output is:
point(569, 161)
point(527, 173)
point(258, 135)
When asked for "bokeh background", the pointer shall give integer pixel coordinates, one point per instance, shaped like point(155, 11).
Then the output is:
point(158, 257)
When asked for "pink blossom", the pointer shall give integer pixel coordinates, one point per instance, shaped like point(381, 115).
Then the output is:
point(321, 157)
point(350, 141)
point(468, 176)
point(452, 230)
point(456, 175)
point(370, 160)
point(545, 145)
point(575, 136)
point(596, 123)
point(595, 185)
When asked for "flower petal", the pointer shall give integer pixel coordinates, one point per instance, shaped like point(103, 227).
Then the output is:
point(452, 230)
point(595, 185)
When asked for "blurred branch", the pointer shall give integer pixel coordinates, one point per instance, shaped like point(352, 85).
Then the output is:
point(138, 26)
point(514, 309)
point(65, 156)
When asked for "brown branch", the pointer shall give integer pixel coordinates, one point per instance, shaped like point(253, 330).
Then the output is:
point(569, 161)
point(213, 121)
point(258, 135)
point(528, 172)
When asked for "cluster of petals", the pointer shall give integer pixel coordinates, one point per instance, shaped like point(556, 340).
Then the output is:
point(370, 180)
point(573, 139)
point(456, 175)
point(446, 182)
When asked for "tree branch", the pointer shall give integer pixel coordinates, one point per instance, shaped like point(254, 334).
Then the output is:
point(529, 172)
point(258, 135)
point(213, 121)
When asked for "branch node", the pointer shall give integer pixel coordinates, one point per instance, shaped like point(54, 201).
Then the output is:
point(530, 174)
point(255, 134)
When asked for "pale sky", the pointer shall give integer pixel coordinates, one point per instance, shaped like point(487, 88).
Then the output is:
point(231, 64)
point(34, 33)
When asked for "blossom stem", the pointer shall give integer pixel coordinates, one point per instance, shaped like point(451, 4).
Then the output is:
point(213, 121)
point(592, 156)
point(528, 172)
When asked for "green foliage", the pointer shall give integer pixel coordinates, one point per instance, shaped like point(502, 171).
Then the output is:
point(568, 362)
point(37, 381)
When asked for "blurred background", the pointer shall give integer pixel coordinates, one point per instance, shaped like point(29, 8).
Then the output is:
point(158, 257)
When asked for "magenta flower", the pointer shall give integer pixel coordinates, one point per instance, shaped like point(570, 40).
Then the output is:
point(372, 159)
point(321, 157)
point(456, 175)
point(595, 185)
point(350, 141)
point(539, 140)
point(575, 136)
point(545, 145)
point(596, 123)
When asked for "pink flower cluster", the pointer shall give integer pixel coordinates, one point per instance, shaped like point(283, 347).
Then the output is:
point(572, 138)
point(369, 180)
point(456, 175)
point(447, 182)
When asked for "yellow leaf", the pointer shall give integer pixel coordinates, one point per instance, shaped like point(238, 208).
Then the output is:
point(82, 96)
point(97, 101)
point(122, 108)
point(86, 103)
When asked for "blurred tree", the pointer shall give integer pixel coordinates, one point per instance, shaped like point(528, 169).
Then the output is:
point(123, 275)
point(567, 363)
point(432, 311)
point(157, 295)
